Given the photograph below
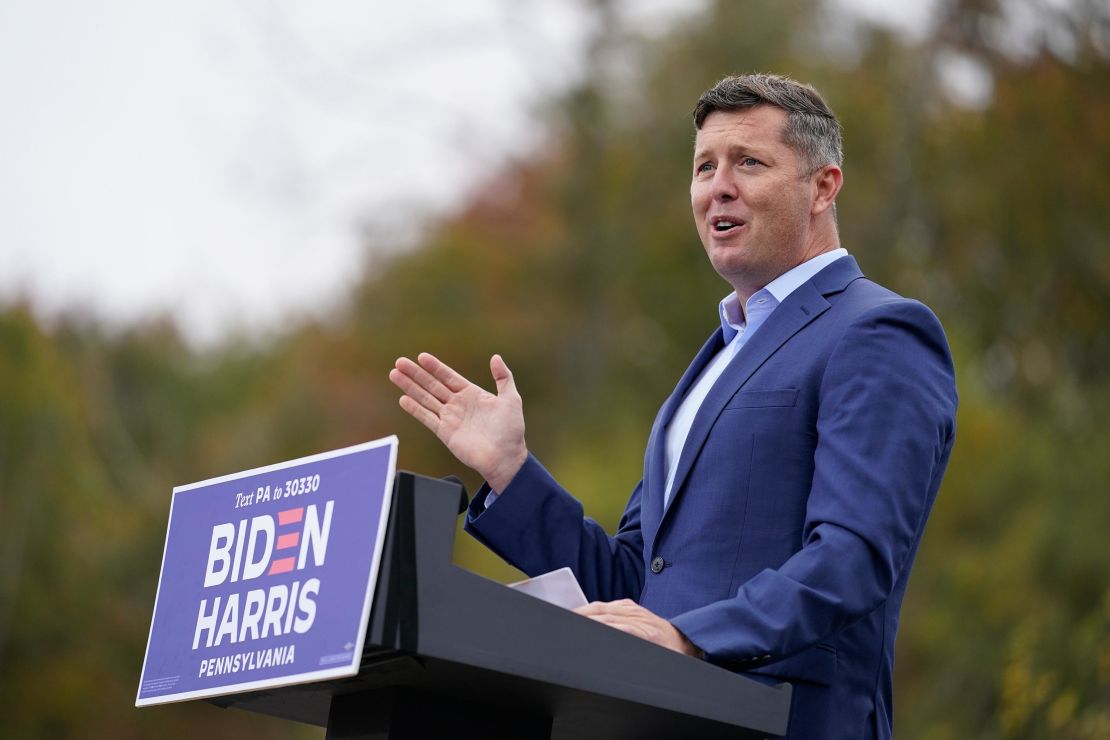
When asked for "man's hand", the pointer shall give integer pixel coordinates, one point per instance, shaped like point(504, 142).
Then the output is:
point(485, 432)
point(628, 616)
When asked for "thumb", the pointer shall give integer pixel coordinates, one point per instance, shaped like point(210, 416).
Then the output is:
point(502, 375)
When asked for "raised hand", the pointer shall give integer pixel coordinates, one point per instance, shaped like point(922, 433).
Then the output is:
point(484, 431)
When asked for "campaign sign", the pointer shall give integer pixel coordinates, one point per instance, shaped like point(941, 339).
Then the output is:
point(268, 575)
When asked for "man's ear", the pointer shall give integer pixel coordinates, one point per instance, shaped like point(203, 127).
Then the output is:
point(827, 182)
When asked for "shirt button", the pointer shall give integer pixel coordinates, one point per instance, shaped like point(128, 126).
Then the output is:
point(657, 565)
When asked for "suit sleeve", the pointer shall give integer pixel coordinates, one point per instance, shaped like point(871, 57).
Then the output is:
point(537, 526)
point(885, 425)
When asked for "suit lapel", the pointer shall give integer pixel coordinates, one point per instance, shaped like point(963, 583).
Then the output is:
point(801, 307)
point(654, 463)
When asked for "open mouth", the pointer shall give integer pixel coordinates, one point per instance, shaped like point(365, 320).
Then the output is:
point(722, 225)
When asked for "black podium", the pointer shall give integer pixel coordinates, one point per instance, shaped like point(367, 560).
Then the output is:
point(450, 654)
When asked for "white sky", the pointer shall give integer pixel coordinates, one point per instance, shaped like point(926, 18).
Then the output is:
point(224, 161)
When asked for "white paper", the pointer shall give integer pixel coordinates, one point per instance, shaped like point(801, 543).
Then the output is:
point(559, 587)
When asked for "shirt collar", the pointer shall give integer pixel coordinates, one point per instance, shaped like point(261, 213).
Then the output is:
point(732, 320)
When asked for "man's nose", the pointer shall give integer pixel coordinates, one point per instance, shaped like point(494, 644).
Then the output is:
point(724, 185)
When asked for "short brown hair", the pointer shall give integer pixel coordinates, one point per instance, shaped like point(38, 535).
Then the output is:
point(811, 127)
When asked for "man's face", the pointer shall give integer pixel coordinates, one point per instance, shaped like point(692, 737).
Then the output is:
point(751, 197)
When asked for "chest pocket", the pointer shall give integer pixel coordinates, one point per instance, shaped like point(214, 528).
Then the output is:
point(763, 399)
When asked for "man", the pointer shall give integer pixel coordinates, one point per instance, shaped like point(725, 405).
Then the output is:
point(788, 478)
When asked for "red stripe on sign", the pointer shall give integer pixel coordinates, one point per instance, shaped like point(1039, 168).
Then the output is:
point(284, 565)
point(285, 541)
point(290, 516)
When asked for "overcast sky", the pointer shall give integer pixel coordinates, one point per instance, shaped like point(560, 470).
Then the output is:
point(224, 161)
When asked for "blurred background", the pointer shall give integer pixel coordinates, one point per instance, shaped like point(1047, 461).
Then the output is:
point(222, 221)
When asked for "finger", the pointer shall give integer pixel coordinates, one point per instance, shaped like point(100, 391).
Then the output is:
point(415, 391)
point(423, 378)
point(502, 375)
point(610, 620)
point(442, 372)
point(628, 609)
point(594, 607)
point(624, 608)
point(421, 414)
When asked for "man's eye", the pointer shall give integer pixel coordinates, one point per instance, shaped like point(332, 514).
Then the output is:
point(704, 167)
point(750, 162)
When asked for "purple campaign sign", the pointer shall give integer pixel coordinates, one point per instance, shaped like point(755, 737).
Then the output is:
point(268, 575)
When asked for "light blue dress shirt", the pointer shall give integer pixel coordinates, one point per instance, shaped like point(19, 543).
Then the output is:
point(738, 328)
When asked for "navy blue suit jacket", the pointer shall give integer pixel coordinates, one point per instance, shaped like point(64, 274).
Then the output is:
point(798, 504)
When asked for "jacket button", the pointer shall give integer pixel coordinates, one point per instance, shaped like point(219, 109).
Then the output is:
point(657, 565)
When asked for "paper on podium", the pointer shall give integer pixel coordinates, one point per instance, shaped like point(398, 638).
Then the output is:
point(559, 587)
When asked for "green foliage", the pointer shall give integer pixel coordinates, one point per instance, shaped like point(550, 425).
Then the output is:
point(581, 266)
